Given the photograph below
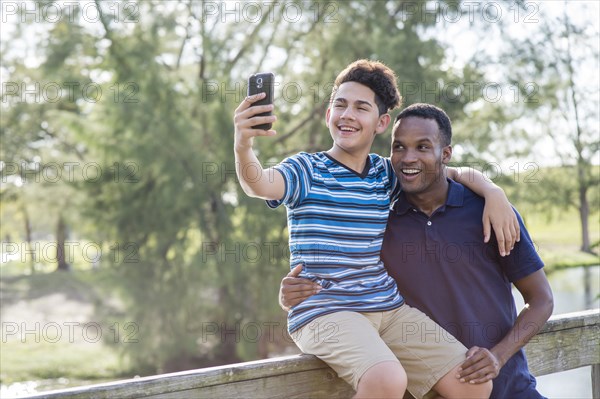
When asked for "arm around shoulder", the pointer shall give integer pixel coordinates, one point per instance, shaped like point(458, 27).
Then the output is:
point(498, 213)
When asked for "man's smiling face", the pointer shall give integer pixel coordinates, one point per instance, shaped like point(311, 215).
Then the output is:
point(418, 154)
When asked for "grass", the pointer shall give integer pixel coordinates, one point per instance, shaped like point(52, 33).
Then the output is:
point(558, 239)
point(50, 329)
point(25, 360)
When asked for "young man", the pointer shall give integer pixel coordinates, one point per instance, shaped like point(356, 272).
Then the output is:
point(338, 202)
point(446, 271)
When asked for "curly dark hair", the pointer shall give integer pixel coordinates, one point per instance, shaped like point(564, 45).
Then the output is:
point(428, 111)
point(377, 77)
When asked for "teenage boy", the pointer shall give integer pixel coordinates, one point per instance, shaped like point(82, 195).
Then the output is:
point(338, 203)
point(445, 271)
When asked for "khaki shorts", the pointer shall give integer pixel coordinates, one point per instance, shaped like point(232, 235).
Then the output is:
point(352, 342)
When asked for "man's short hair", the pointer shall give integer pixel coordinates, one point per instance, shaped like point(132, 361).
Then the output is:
point(377, 77)
point(428, 111)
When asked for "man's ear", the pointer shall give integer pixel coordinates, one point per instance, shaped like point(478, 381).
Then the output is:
point(327, 114)
point(446, 154)
point(383, 123)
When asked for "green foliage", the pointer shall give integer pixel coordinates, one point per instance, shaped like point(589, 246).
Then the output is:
point(194, 256)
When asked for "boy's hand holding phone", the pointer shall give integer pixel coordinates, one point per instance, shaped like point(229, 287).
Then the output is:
point(253, 117)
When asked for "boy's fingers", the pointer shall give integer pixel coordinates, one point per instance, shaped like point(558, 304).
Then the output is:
point(487, 228)
point(501, 242)
point(259, 120)
point(248, 101)
point(260, 132)
point(259, 109)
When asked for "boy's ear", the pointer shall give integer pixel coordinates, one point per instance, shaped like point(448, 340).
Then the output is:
point(383, 123)
point(446, 154)
point(327, 113)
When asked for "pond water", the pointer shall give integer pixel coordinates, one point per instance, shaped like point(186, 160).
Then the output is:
point(567, 286)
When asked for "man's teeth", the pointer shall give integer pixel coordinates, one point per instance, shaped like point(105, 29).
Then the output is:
point(347, 129)
point(410, 171)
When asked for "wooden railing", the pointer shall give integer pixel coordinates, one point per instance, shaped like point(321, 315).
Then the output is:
point(566, 342)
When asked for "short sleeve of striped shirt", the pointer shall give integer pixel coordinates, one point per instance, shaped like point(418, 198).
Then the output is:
point(297, 172)
point(395, 183)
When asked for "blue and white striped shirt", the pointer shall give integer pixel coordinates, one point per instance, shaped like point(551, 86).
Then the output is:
point(336, 223)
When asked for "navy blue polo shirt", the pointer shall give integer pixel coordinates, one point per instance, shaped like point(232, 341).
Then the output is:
point(443, 267)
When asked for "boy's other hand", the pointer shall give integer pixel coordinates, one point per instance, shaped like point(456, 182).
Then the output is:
point(499, 215)
point(244, 118)
point(294, 289)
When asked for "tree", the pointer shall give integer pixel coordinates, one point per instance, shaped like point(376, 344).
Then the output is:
point(541, 105)
point(40, 132)
point(557, 60)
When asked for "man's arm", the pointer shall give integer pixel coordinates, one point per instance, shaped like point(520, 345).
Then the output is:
point(497, 213)
point(255, 181)
point(483, 364)
point(294, 290)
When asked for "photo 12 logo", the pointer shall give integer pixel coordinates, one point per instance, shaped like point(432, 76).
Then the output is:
point(90, 252)
point(254, 12)
point(68, 172)
point(69, 332)
point(54, 92)
point(71, 11)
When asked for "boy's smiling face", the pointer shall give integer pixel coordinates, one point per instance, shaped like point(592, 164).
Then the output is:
point(353, 118)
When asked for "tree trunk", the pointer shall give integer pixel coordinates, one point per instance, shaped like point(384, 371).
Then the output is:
point(61, 236)
point(584, 213)
point(27, 223)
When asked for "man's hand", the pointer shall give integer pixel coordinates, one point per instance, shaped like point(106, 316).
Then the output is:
point(245, 117)
point(481, 366)
point(499, 215)
point(294, 290)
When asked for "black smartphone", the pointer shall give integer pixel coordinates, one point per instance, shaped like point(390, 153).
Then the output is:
point(262, 83)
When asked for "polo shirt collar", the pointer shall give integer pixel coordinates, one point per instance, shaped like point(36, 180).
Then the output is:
point(456, 196)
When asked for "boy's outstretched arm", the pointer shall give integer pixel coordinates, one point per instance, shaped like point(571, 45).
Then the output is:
point(498, 212)
point(255, 180)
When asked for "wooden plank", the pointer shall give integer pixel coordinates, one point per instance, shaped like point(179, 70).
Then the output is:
point(565, 342)
point(193, 379)
point(306, 384)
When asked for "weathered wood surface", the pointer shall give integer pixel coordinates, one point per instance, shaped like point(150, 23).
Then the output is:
point(567, 341)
